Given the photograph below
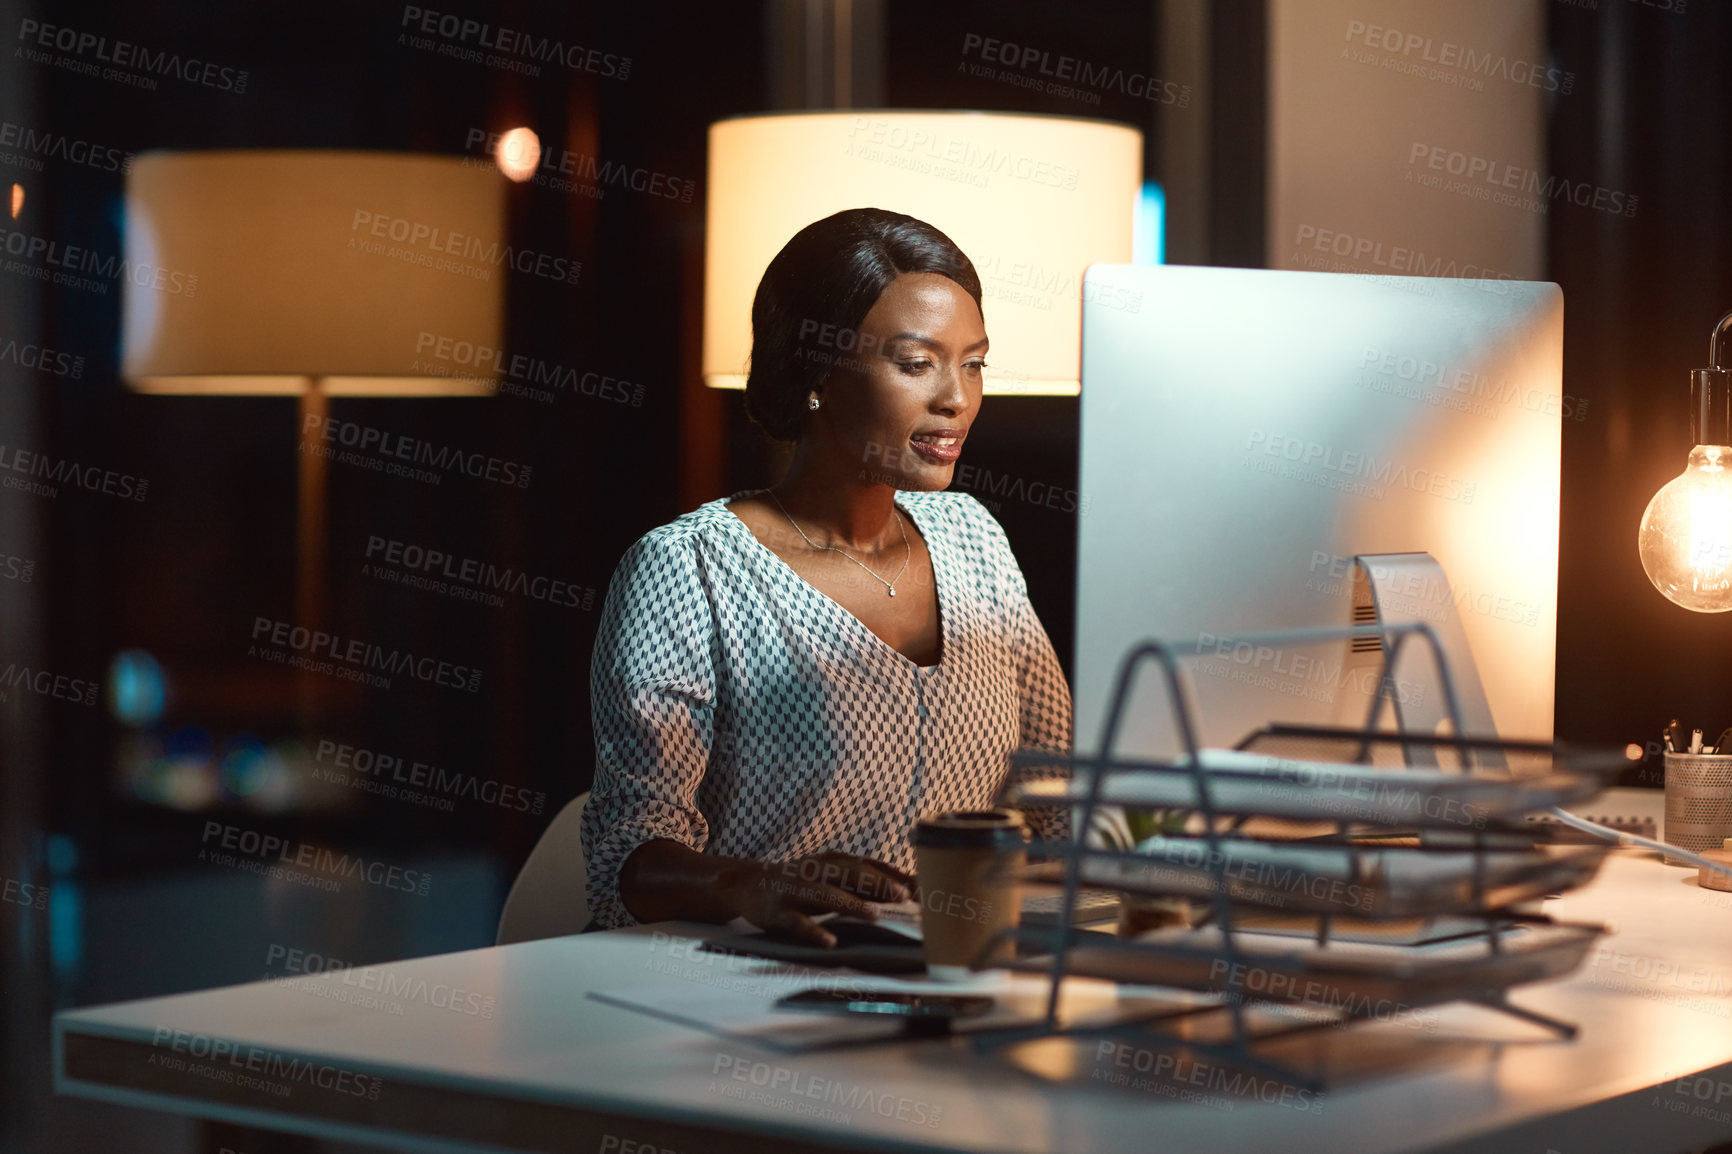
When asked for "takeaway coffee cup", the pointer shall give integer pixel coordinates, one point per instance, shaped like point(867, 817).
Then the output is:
point(968, 864)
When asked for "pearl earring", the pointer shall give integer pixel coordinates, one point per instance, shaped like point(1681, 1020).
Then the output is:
point(812, 401)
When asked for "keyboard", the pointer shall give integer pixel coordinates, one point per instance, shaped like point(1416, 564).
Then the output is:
point(1092, 905)
point(1547, 825)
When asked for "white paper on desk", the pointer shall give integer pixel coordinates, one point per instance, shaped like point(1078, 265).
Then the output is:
point(745, 1008)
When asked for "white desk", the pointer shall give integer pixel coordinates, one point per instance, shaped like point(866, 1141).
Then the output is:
point(542, 1067)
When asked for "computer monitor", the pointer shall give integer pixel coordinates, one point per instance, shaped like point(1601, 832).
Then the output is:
point(1246, 433)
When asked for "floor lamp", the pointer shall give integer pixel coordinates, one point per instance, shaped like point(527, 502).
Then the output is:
point(312, 274)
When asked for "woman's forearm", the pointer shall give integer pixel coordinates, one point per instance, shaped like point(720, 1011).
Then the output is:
point(666, 881)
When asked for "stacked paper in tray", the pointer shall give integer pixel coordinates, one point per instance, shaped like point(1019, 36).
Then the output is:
point(1372, 844)
point(1240, 782)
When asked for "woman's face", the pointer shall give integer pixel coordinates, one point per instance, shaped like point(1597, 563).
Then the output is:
point(898, 408)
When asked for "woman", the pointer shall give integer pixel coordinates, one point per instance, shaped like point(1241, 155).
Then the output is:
point(784, 681)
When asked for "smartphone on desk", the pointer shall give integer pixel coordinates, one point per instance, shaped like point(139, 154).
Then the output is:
point(895, 1003)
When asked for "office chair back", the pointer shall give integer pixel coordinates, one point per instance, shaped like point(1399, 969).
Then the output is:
point(548, 898)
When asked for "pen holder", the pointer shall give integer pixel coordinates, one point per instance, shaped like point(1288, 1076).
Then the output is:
point(1698, 801)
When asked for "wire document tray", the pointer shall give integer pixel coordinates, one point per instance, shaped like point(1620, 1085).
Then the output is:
point(1318, 826)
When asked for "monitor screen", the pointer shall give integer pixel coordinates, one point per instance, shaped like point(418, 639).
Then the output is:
point(1246, 433)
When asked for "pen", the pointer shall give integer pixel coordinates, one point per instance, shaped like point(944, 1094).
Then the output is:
point(1674, 737)
point(1695, 741)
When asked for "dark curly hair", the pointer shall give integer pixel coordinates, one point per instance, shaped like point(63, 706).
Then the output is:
point(807, 313)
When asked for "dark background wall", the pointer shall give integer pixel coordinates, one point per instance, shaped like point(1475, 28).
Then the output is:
point(1641, 296)
point(183, 574)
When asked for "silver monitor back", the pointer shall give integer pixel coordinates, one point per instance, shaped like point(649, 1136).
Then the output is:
point(1246, 433)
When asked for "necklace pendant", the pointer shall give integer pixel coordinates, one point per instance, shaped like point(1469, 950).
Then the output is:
point(893, 592)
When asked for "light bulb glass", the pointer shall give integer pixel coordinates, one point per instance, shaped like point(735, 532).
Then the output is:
point(1686, 537)
point(518, 153)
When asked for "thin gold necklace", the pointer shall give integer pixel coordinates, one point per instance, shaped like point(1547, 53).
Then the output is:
point(891, 584)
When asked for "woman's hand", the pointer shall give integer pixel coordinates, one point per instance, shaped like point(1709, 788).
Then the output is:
point(783, 896)
point(664, 880)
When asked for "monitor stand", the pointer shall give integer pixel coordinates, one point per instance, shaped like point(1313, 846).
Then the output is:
point(1411, 589)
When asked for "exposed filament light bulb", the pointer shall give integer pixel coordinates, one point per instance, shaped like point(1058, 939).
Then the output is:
point(1686, 537)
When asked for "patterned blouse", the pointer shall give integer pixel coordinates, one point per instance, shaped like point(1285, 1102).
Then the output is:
point(740, 711)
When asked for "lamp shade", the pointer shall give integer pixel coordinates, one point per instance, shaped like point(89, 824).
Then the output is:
point(250, 272)
point(1032, 200)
